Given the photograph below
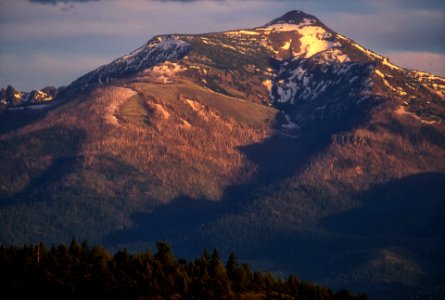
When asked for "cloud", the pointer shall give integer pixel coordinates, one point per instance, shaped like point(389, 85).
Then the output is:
point(140, 20)
point(55, 69)
point(422, 5)
point(54, 2)
point(348, 5)
point(59, 1)
point(406, 30)
point(364, 6)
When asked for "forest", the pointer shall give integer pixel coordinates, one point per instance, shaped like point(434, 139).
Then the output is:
point(80, 271)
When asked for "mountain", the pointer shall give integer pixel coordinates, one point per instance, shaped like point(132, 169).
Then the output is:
point(12, 99)
point(290, 144)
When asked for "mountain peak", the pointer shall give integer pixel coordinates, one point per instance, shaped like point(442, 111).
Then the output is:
point(294, 17)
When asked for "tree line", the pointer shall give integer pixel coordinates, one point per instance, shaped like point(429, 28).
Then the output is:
point(77, 271)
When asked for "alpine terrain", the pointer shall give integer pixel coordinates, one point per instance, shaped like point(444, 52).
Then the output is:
point(290, 144)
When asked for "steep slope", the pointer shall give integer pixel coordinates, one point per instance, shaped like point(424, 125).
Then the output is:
point(288, 143)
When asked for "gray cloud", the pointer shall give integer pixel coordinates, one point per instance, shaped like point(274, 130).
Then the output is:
point(365, 6)
point(77, 1)
point(57, 69)
point(433, 62)
point(60, 1)
point(429, 4)
point(408, 30)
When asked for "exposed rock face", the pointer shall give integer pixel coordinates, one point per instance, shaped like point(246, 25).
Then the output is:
point(10, 97)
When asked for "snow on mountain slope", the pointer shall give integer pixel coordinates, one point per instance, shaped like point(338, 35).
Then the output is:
point(434, 83)
point(305, 40)
point(293, 35)
point(11, 98)
point(316, 73)
point(157, 50)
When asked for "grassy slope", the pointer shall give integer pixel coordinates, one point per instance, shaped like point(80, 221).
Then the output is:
point(242, 111)
point(94, 174)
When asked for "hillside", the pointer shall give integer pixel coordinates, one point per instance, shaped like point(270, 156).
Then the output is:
point(289, 144)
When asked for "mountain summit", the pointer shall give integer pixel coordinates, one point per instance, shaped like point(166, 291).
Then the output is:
point(295, 17)
point(288, 143)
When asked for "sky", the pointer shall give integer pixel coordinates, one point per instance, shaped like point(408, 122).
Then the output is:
point(53, 42)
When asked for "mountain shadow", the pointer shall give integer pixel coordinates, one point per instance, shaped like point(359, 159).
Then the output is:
point(11, 120)
point(405, 218)
point(61, 142)
point(276, 158)
point(411, 206)
point(170, 222)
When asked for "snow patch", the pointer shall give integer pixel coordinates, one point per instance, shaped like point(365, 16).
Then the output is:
point(385, 61)
point(164, 73)
point(368, 52)
point(385, 82)
point(220, 44)
point(392, 66)
point(433, 83)
point(268, 84)
point(353, 79)
point(230, 47)
point(284, 27)
point(334, 55)
point(205, 40)
point(313, 39)
point(242, 32)
point(398, 90)
point(299, 73)
point(168, 47)
point(157, 50)
point(290, 125)
point(342, 37)
point(285, 94)
point(286, 45)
